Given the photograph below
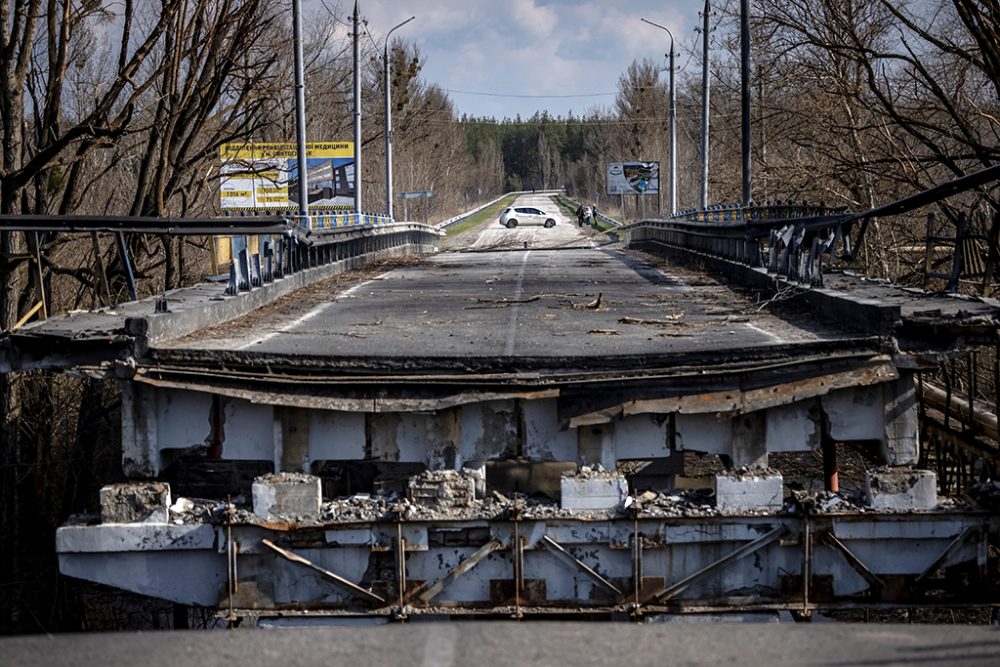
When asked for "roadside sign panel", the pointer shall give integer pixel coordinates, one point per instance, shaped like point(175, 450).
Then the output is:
point(265, 175)
point(633, 178)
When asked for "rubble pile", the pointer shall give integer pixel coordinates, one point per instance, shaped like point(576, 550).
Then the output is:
point(196, 510)
point(442, 489)
point(596, 471)
point(693, 503)
point(750, 472)
point(450, 496)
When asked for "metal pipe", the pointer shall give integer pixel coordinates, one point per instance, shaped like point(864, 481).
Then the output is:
point(300, 112)
point(704, 107)
point(745, 94)
point(357, 111)
point(388, 119)
point(983, 419)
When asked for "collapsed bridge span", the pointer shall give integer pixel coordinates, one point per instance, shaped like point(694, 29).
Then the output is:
point(549, 425)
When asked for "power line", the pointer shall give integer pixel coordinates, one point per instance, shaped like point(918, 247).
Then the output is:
point(484, 94)
point(575, 121)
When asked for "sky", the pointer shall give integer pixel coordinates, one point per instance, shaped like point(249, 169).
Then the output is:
point(571, 51)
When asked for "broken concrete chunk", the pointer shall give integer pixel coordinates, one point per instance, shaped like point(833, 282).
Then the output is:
point(583, 493)
point(901, 489)
point(749, 491)
point(135, 502)
point(443, 489)
point(287, 496)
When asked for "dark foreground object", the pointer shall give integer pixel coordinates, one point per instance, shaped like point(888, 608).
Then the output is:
point(536, 644)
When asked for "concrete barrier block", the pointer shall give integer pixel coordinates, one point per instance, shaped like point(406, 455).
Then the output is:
point(749, 492)
point(135, 502)
point(901, 489)
point(604, 492)
point(287, 496)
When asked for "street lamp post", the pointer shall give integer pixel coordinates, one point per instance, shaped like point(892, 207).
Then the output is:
point(357, 113)
point(300, 112)
point(388, 120)
point(673, 121)
point(704, 106)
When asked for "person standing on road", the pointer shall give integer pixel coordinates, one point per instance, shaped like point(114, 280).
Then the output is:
point(586, 215)
point(579, 216)
point(593, 219)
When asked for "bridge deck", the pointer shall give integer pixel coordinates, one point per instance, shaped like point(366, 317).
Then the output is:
point(527, 303)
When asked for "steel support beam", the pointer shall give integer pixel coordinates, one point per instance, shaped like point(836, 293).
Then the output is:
point(427, 593)
point(332, 576)
point(559, 551)
point(747, 549)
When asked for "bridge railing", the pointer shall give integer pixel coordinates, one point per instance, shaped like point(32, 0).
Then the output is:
point(258, 248)
point(786, 240)
point(767, 211)
point(256, 261)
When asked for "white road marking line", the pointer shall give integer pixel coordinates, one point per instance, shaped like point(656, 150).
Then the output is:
point(770, 335)
point(291, 325)
point(512, 326)
point(308, 316)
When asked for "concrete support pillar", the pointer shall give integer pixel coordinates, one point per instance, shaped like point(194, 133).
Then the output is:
point(901, 443)
point(444, 440)
point(140, 453)
point(749, 441)
point(596, 446)
point(291, 452)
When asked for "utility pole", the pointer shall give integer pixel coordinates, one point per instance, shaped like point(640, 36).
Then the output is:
point(673, 121)
point(704, 108)
point(388, 119)
point(300, 113)
point(745, 94)
point(357, 111)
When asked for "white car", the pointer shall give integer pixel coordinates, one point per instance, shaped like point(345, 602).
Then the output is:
point(525, 215)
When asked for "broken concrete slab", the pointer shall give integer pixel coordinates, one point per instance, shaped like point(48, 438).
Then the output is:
point(287, 496)
point(136, 502)
point(901, 489)
point(749, 491)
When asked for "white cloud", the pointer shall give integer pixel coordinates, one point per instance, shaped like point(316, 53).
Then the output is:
point(554, 47)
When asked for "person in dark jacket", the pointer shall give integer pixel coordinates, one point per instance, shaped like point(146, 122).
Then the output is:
point(579, 216)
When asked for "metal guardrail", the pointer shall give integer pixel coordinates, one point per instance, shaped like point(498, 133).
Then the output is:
point(792, 247)
point(279, 256)
point(266, 224)
point(317, 218)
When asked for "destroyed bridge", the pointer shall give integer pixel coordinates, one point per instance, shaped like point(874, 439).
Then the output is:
point(687, 415)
